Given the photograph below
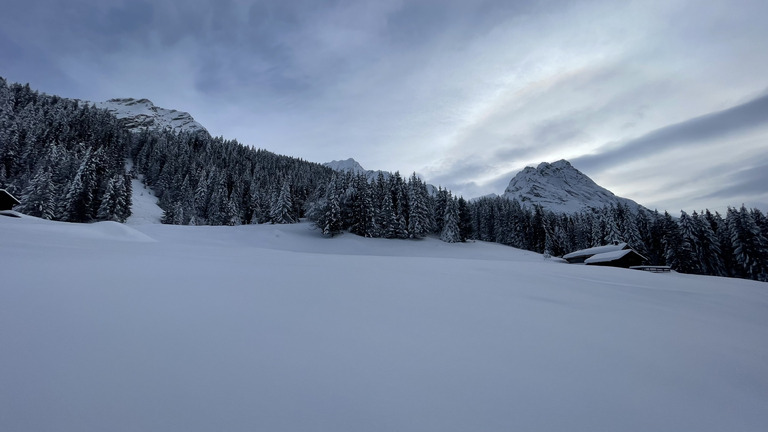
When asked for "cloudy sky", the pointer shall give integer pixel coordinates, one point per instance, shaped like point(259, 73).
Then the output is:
point(664, 102)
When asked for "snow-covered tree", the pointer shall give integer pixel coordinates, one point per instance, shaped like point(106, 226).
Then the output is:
point(451, 232)
point(38, 198)
point(750, 248)
point(282, 209)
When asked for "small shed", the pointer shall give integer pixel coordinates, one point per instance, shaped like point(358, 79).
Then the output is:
point(625, 258)
point(7, 201)
point(581, 256)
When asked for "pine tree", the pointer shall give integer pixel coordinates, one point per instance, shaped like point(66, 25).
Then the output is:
point(597, 230)
point(282, 209)
point(330, 221)
point(612, 233)
point(362, 217)
point(631, 232)
point(124, 189)
point(710, 255)
point(108, 207)
point(79, 197)
point(37, 199)
point(689, 235)
point(677, 251)
point(451, 233)
point(418, 223)
point(750, 247)
point(386, 220)
point(465, 220)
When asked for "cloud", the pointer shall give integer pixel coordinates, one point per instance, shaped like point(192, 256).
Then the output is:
point(749, 181)
point(719, 125)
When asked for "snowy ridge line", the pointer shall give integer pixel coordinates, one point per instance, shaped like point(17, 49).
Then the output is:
point(139, 114)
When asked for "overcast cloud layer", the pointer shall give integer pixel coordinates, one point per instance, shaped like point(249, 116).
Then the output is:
point(664, 102)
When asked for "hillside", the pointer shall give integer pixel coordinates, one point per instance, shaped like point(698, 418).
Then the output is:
point(271, 327)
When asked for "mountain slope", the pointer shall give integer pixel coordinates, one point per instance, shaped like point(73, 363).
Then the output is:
point(142, 113)
point(561, 188)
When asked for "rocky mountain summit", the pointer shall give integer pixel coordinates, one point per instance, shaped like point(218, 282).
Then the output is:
point(139, 114)
point(561, 188)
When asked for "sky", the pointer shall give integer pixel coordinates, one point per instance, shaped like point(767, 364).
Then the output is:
point(663, 102)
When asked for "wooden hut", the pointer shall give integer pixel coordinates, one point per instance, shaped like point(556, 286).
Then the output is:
point(7, 201)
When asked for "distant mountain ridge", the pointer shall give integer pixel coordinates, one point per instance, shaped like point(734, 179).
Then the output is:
point(351, 165)
point(557, 186)
point(561, 188)
point(139, 114)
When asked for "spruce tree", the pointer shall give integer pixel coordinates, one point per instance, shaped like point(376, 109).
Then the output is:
point(451, 233)
point(465, 220)
point(330, 221)
point(282, 209)
point(690, 237)
point(710, 255)
point(38, 198)
point(750, 248)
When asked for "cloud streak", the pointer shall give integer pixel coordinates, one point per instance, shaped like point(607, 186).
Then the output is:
point(714, 126)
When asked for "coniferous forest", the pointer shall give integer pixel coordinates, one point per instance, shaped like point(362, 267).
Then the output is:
point(68, 161)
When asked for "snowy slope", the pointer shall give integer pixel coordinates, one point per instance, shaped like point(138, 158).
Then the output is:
point(144, 208)
point(177, 328)
point(142, 113)
point(561, 188)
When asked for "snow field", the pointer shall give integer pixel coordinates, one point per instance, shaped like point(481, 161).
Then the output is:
point(175, 328)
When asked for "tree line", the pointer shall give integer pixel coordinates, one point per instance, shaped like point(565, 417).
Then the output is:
point(72, 162)
point(733, 245)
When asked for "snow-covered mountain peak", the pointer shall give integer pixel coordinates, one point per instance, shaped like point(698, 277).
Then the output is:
point(350, 165)
point(560, 187)
point(142, 113)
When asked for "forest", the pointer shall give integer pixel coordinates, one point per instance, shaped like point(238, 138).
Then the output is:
point(71, 162)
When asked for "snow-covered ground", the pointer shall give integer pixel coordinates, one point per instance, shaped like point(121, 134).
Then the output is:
point(144, 208)
point(110, 327)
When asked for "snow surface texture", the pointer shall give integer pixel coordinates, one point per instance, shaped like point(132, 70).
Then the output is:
point(107, 327)
point(607, 256)
point(142, 113)
point(561, 188)
point(596, 250)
